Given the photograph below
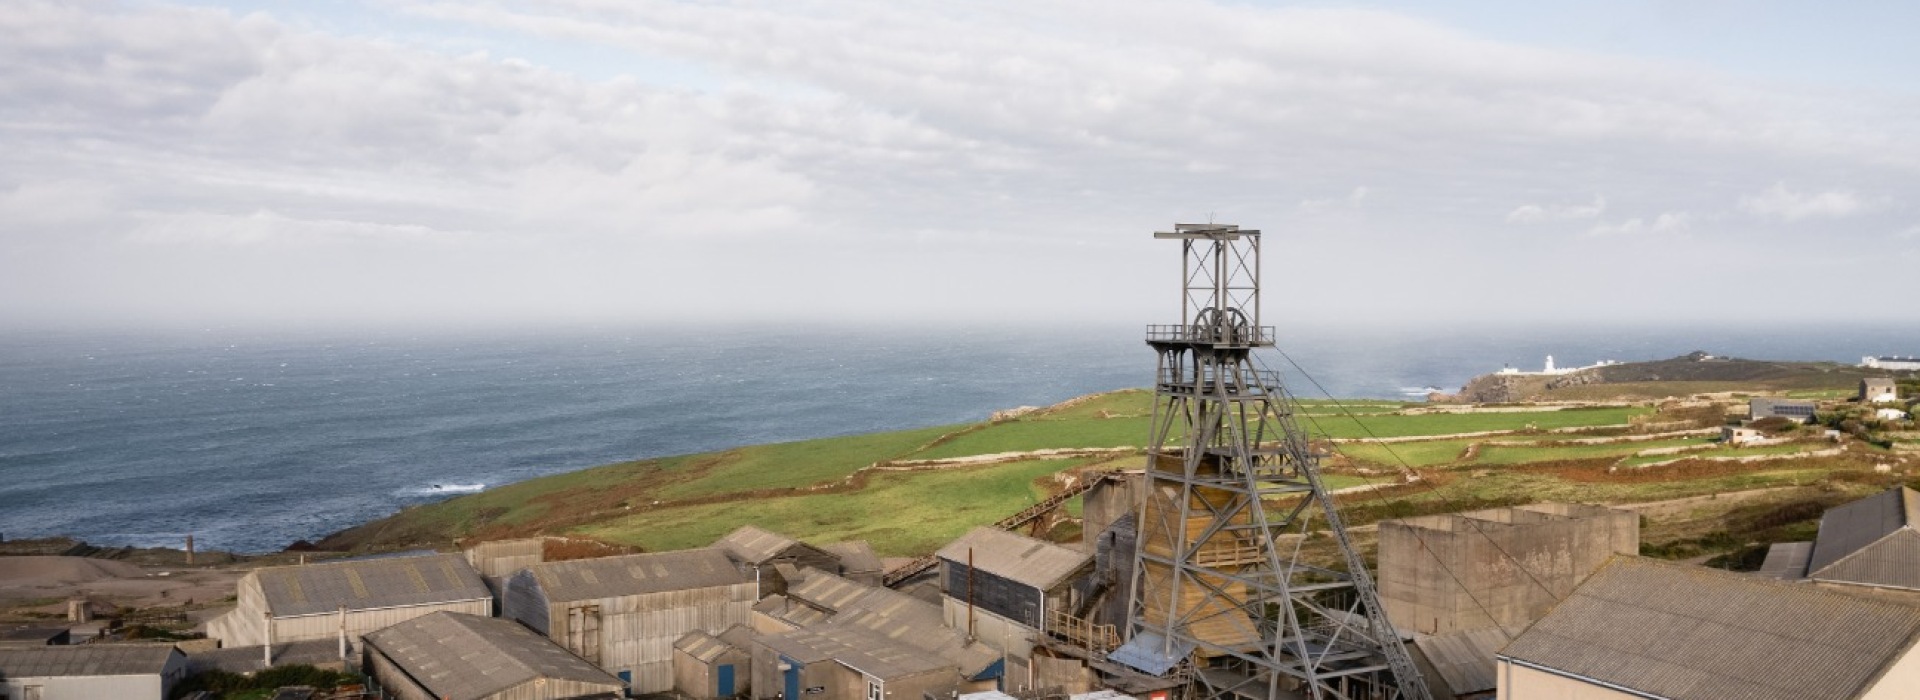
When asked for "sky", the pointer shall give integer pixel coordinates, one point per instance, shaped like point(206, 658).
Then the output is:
point(662, 162)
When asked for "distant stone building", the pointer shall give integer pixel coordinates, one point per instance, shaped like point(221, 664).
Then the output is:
point(1763, 407)
point(1879, 390)
point(1499, 568)
point(1641, 628)
point(310, 602)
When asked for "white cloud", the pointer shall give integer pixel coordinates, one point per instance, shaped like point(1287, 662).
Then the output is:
point(1667, 223)
point(848, 158)
point(1538, 213)
point(1780, 203)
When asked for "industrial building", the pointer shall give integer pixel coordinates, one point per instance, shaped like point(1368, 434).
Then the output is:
point(1005, 588)
point(858, 562)
point(624, 613)
point(498, 560)
point(319, 601)
point(91, 672)
point(1797, 411)
point(758, 551)
point(455, 656)
point(1503, 567)
point(1872, 542)
point(1641, 628)
point(709, 666)
point(846, 639)
point(1891, 362)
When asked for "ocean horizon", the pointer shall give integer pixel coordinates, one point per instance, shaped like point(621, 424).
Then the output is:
point(250, 440)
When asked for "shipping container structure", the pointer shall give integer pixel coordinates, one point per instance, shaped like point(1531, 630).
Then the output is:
point(455, 656)
point(707, 666)
point(1016, 587)
point(314, 601)
point(91, 672)
point(624, 613)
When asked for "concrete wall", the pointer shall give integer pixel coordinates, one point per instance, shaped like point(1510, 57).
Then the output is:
point(1008, 636)
point(1521, 683)
point(1437, 573)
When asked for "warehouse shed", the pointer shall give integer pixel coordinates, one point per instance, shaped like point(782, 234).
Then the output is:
point(1017, 586)
point(91, 671)
point(455, 656)
point(624, 613)
point(498, 560)
point(858, 562)
point(707, 666)
point(311, 601)
point(1642, 628)
point(758, 551)
point(1874, 541)
point(873, 638)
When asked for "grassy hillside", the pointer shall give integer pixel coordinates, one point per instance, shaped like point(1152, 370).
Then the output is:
point(830, 489)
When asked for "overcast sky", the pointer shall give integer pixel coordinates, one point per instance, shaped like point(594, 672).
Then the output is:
point(640, 160)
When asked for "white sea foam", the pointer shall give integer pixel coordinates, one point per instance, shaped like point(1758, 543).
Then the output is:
point(439, 489)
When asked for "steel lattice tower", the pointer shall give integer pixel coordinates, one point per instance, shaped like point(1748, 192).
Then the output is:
point(1220, 590)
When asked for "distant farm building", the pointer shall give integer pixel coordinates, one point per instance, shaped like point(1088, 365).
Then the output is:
point(1006, 589)
point(91, 672)
point(624, 613)
point(1742, 435)
point(295, 603)
point(1893, 363)
point(1879, 390)
point(1640, 628)
point(1503, 567)
point(709, 666)
point(453, 656)
point(1797, 411)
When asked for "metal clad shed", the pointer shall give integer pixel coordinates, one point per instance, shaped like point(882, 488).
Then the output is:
point(304, 602)
point(858, 562)
point(624, 613)
point(1660, 629)
point(709, 666)
point(757, 551)
point(1872, 541)
point(1014, 585)
point(454, 656)
point(91, 671)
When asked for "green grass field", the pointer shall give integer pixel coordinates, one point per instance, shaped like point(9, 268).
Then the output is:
point(1456, 423)
point(794, 464)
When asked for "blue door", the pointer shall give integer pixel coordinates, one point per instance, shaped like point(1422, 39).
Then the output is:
point(726, 680)
point(793, 678)
point(626, 677)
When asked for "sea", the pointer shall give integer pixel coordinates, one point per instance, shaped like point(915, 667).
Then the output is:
point(252, 440)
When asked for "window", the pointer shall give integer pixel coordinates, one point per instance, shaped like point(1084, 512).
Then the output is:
point(874, 690)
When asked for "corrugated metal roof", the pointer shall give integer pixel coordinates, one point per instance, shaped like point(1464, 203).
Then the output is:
point(1846, 531)
point(636, 574)
point(85, 660)
point(1787, 561)
point(1689, 632)
point(888, 614)
point(855, 648)
point(1464, 659)
point(1016, 557)
point(1143, 653)
point(856, 556)
point(458, 656)
point(753, 545)
point(702, 645)
point(366, 584)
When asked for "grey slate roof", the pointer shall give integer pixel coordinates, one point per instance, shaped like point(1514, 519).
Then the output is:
point(1871, 541)
point(636, 574)
point(458, 656)
point(705, 646)
point(753, 545)
point(1464, 659)
point(1786, 561)
point(366, 584)
point(86, 660)
point(1016, 557)
point(1688, 632)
